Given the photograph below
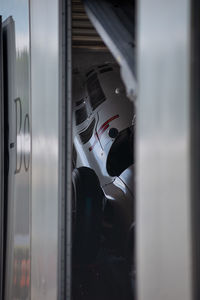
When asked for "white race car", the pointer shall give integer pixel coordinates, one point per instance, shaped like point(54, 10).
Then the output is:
point(103, 132)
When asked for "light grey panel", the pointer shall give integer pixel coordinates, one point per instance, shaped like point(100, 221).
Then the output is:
point(44, 79)
point(17, 129)
point(162, 151)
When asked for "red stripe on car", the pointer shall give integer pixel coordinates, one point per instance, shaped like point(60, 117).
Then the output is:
point(101, 130)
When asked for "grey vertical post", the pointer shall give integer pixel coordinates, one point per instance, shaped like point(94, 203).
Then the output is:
point(45, 147)
point(164, 257)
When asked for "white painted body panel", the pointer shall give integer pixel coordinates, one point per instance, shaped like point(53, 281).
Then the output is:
point(117, 108)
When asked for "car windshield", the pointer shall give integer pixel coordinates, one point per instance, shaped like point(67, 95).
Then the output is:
point(81, 115)
point(95, 91)
point(120, 156)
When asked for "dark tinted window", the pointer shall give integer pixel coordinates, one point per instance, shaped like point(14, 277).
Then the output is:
point(95, 91)
point(87, 134)
point(81, 115)
point(105, 70)
point(74, 157)
point(90, 72)
point(102, 66)
point(120, 156)
point(79, 102)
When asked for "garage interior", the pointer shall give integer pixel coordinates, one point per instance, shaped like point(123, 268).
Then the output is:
point(110, 276)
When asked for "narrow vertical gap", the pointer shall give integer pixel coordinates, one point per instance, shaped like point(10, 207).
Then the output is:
point(68, 129)
point(64, 226)
point(1, 164)
point(103, 134)
point(195, 143)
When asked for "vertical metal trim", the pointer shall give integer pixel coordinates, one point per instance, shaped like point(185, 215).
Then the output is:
point(195, 142)
point(69, 152)
point(30, 116)
point(65, 152)
point(62, 176)
point(1, 164)
point(9, 51)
